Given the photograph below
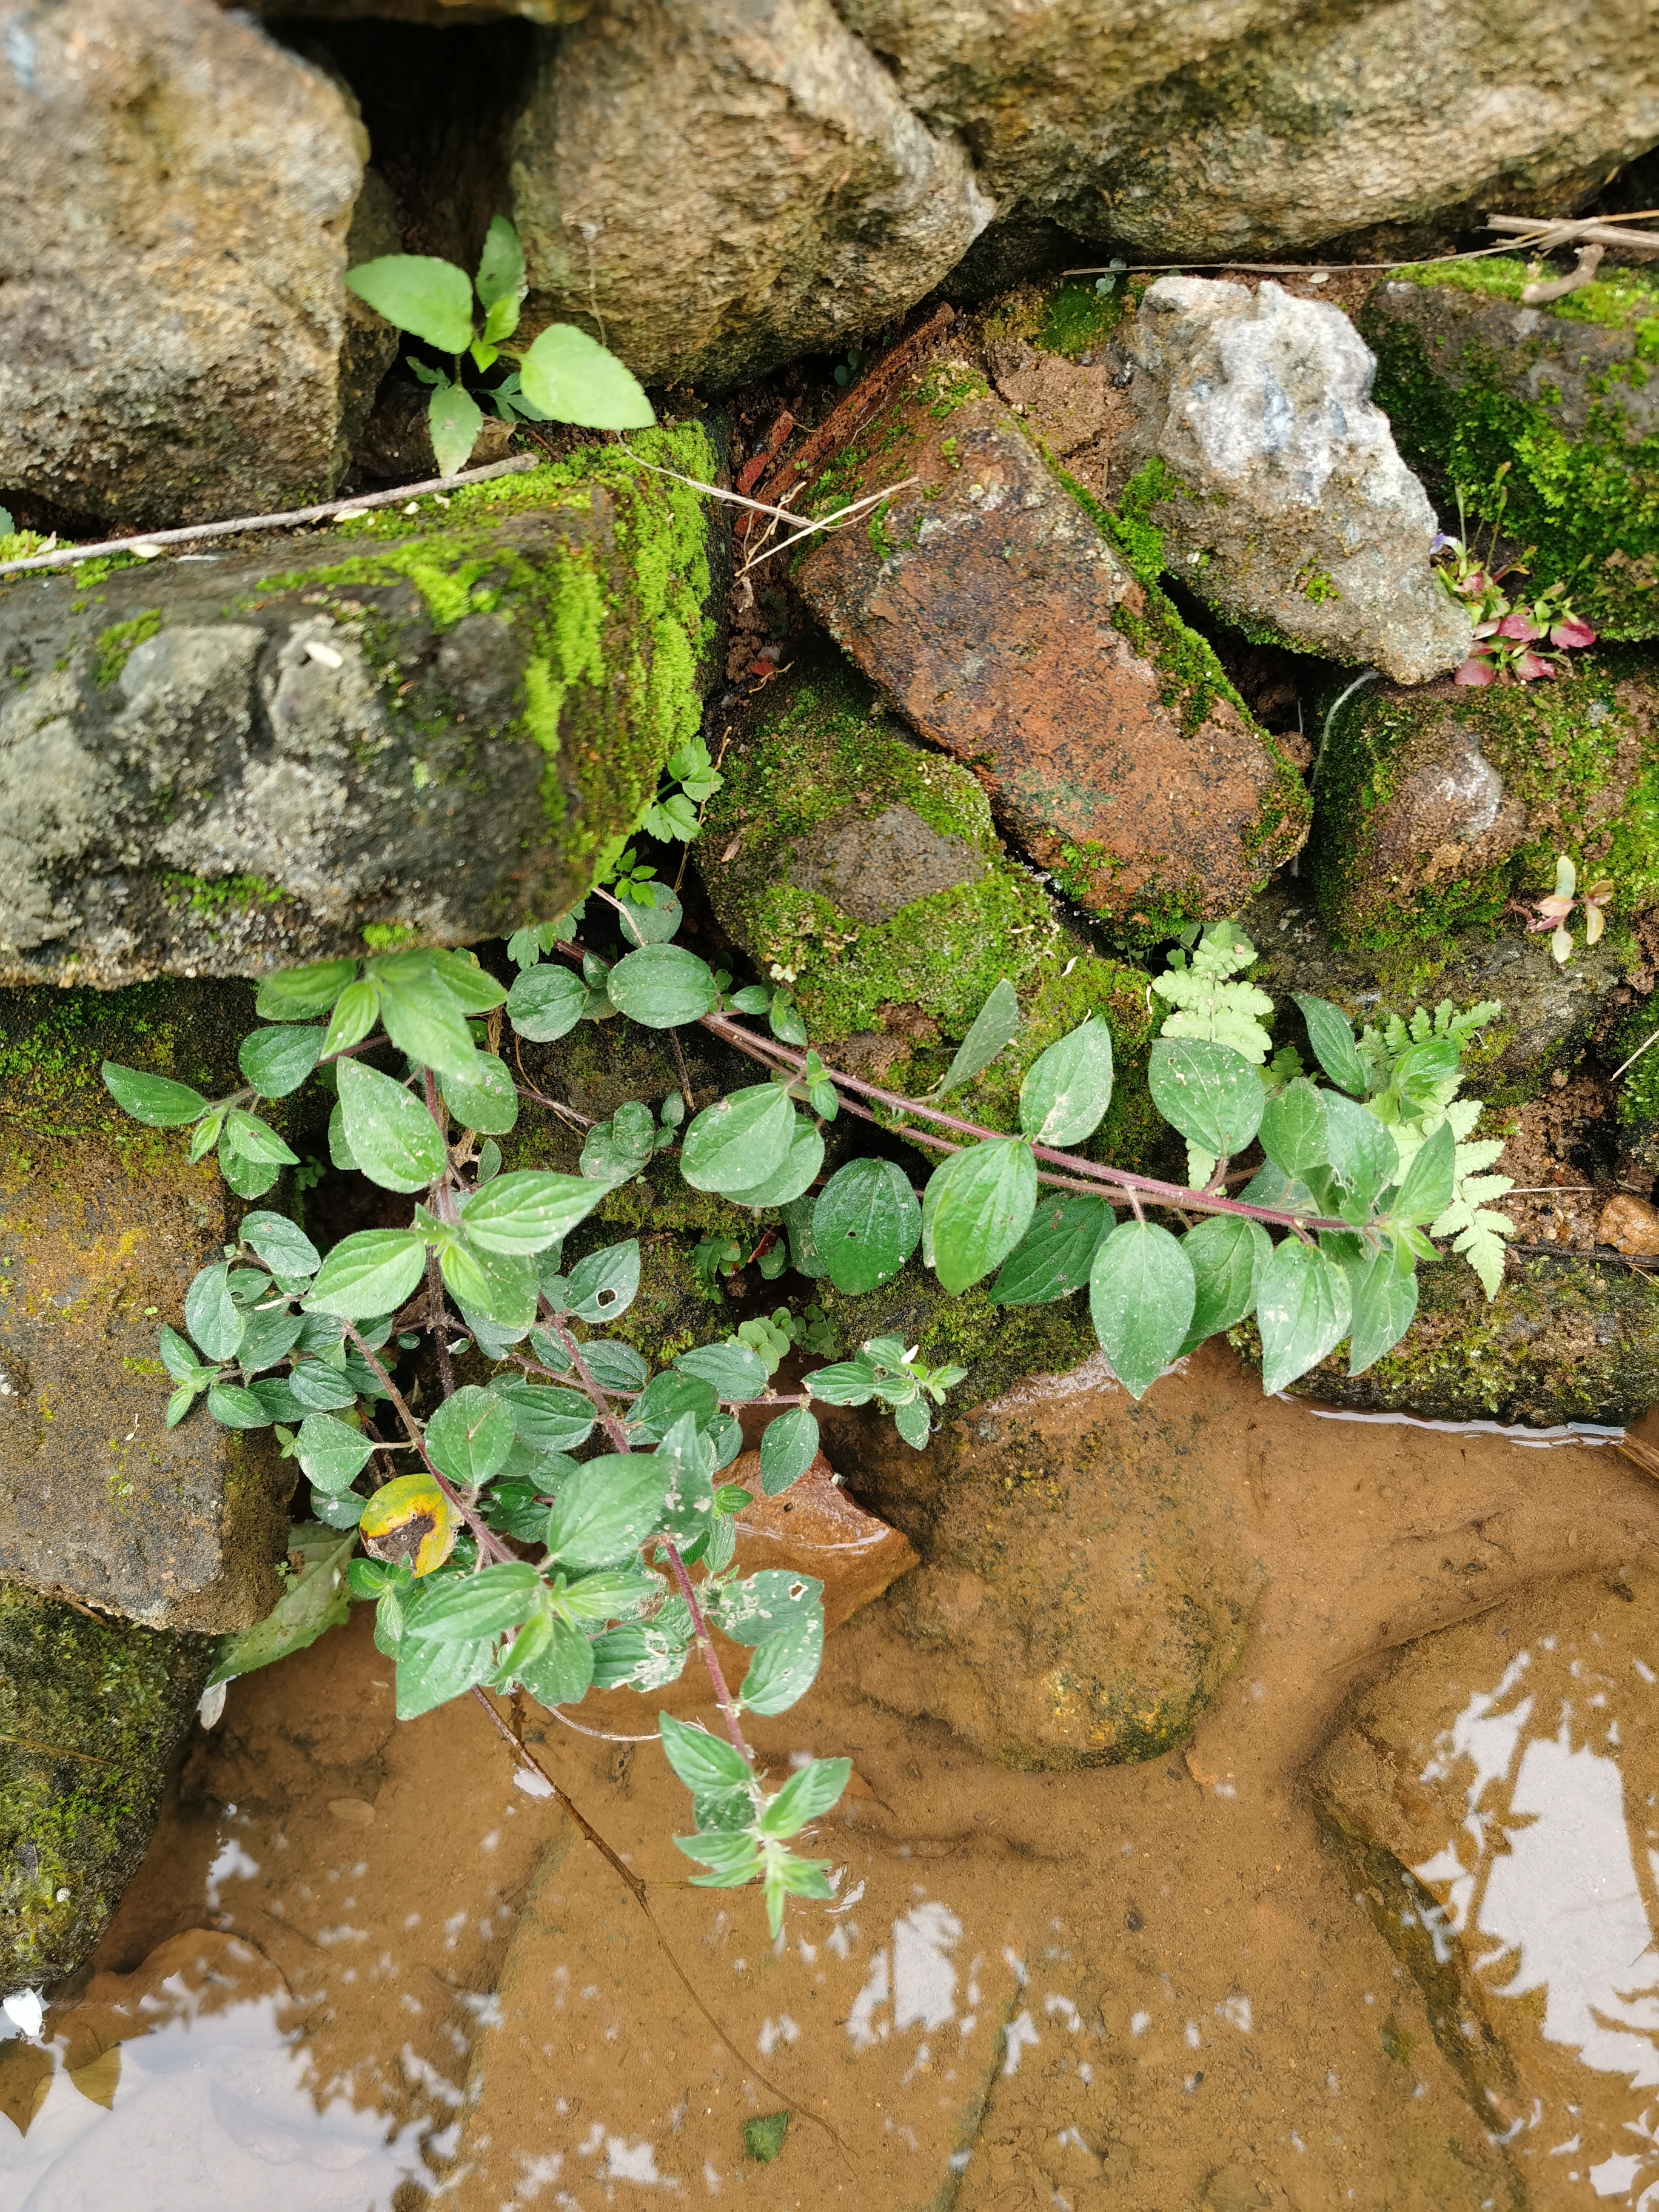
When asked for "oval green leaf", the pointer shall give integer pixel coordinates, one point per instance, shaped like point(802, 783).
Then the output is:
point(572, 378)
point(1303, 1305)
point(393, 1140)
point(977, 1206)
point(739, 1140)
point(1208, 1092)
point(1141, 1294)
point(663, 986)
point(865, 1224)
point(370, 1274)
point(1068, 1088)
point(428, 298)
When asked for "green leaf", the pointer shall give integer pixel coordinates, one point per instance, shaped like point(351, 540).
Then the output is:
point(1419, 1072)
point(789, 1446)
point(733, 1371)
point(300, 995)
point(215, 1321)
point(487, 1101)
point(611, 1592)
point(614, 1366)
point(663, 986)
point(1227, 1254)
point(794, 1175)
point(546, 1003)
point(370, 1274)
point(621, 1656)
point(977, 1205)
point(393, 1140)
point(740, 1139)
point(1142, 1296)
point(454, 418)
point(422, 1016)
point(769, 1603)
point(180, 1403)
point(235, 1408)
point(865, 1224)
point(783, 1018)
point(339, 1152)
point(548, 1417)
point(154, 1100)
point(605, 1284)
point(617, 1150)
point(332, 1453)
point(470, 1435)
point(1426, 1191)
point(607, 1509)
point(806, 1797)
point(996, 1025)
point(913, 1422)
point(180, 1359)
point(804, 1253)
point(1068, 1088)
point(1053, 1258)
point(356, 1012)
point(528, 1210)
point(1303, 1305)
point(247, 1178)
point(431, 1671)
point(667, 1398)
point(500, 265)
point(277, 1062)
point(316, 1599)
point(269, 1335)
point(1292, 1132)
point(847, 1382)
point(1362, 1154)
point(732, 1857)
point(785, 1666)
point(702, 1762)
point(574, 379)
point(1384, 1307)
point(1332, 1039)
point(563, 1674)
point(483, 1604)
point(1208, 1092)
point(499, 1287)
point(286, 1250)
point(428, 298)
point(655, 924)
point(256, 1141)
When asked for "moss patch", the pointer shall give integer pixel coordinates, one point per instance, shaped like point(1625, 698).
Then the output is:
point(117, 641)
point(1580, 756)
point(1539, 408)
point(89, 1714)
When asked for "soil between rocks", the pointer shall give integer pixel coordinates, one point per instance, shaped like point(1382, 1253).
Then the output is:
point(1144, 1987)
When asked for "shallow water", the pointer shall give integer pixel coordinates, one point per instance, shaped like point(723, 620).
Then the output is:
point(362, 1968)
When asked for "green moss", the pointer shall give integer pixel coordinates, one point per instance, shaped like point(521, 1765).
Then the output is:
point(1564, 750)
point(89, 1714)
point(1639, 1086)
point(1586, 501)
point(390, 936)
point(818, 757)
point(1565, 1340)
point(217, 896)
point(1077, 318)
point(114, 644)
point(612, 678)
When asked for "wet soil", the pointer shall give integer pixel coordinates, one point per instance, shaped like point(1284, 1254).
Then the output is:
point(362, 1968)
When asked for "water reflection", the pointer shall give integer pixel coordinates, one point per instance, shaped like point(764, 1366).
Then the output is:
point(1548, 1900)
point(202, 2099)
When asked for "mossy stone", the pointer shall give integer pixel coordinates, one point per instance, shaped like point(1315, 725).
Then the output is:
point(90, 1713)
point(1565, 1340)
point(429, 729)
point(1553, 411)
point(1438, 806)
point(103, 1224)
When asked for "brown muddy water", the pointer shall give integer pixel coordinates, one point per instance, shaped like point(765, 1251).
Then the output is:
point(362, 1967)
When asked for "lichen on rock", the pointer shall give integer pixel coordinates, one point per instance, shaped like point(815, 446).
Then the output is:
point(1283, 501)
point(441, 726)
point(1551, 413)
point(90, 1713)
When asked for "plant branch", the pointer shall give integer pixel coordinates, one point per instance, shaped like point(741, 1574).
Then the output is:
point(151, 541)
point(438, 1322)
point(488, 1541)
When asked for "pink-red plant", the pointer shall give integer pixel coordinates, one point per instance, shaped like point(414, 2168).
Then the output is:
point(1516, 640)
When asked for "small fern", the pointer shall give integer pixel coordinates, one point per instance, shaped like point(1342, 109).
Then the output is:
point(1209, 1002)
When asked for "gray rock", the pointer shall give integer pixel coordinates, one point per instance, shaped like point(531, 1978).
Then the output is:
point(1493, 1798)
point(233, 764)
point(728, 183)
point(104, 1225)
point(175, 339)
point(1202, 128)
point(90, 1715)
point(1283, 501)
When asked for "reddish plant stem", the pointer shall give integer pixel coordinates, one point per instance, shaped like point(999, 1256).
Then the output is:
point(438, 1322)
point(618, 1435)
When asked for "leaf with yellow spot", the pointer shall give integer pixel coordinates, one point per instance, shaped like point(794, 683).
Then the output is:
point(409, 1522)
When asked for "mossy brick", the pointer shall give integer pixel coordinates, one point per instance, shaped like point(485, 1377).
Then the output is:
point(103, 1224)
point(1002, 618)
point(1439, 804)
point(438, 726)
point(1552, 410)
point(1566, 1339)
point(90, 1713)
